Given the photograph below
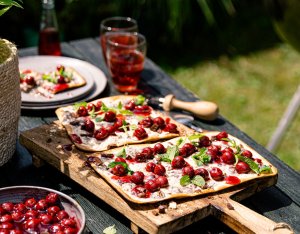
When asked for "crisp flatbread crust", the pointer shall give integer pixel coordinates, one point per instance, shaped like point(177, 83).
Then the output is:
point(174, 190)
point(65, 114)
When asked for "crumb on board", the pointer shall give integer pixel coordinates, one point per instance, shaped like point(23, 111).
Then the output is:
point(173, 205)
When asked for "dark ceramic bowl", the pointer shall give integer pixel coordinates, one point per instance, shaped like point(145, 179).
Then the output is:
point(17, 194)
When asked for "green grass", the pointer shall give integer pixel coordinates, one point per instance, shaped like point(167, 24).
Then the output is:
point(252, 92)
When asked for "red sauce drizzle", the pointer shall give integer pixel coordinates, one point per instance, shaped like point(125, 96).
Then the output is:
point(123, 179)
point(232, 180)
point(60, 87)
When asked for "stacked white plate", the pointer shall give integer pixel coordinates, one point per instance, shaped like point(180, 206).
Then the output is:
point(95, 82)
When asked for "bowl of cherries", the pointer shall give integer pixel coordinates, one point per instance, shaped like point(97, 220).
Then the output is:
point(31, 209)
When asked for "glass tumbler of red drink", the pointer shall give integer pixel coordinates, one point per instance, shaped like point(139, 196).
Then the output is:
point(125, 53)
point(115, 24)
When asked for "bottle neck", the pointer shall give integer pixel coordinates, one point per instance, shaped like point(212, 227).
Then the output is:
point(48, 19)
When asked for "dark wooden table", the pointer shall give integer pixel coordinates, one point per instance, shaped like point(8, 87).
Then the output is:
point(279, 203)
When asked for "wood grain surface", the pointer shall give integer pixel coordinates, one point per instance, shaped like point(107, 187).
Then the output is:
point(47, 143)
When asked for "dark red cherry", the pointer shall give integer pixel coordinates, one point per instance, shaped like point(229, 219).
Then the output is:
point(41, 205)
point(8, 206)
point(98, 105)
point(6, 218)
point(20, 207)
point(60, 68)
point(17, 216)
point(214, 154)
point(178, 162)
point(160, 122)
point(76, 138)
point(140, 157)
point(247, 153)
point(140, 133)
point(152, 186)
point(16, 231)
point(88, 125)
point(120, 159)
point(202, 172)
point(30, 202)
point(130, 105)
point(242, 168)
point(137, 177)
point(46, 219)
point(183, 152)
point(62, 215)
point(188, 170)
point(221, 135)
point(91, 107)
point(70, 230)
point(5, 231)
point(232, 180)
point(101, 133)
point(227, 149)
point(150, 166)
point(82, 111)
point(159, 148)
point(52, 210)
point(216, 173)
point(32, 223)
point(228, 157)
point(162, 181)
point(204, 141)
point(6, 225)
point(159, 170)
point(52, 198)
point(55, 228)
point(69, 222)
point(2, 211)
point(29, 80)
point(148, 152)
point(190, 148)
point(171, 127)
point(119, 170)
point(142, 110)
point(146, 122)
point(31, 214)
point(61, 79)
point(110, 116)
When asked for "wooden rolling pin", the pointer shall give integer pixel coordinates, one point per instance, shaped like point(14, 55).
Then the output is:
point(201, 109)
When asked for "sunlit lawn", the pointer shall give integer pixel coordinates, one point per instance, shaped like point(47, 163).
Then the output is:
point(252, 92)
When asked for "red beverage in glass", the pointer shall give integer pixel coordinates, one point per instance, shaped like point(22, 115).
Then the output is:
point(49, 43)
point(125, 54)
point(126, 67)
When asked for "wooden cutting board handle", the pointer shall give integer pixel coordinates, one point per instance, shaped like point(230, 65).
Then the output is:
point(201, 109)
point(242, 219)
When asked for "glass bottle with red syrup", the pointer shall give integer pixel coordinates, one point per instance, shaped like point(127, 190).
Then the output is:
point(49, 43)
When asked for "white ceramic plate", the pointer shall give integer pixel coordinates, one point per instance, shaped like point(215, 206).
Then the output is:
point(96, 81)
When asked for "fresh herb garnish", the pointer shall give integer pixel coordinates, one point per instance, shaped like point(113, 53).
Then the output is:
point(99, 119)
point(139, 100)
point(125, 165)
point(50, 78)
point(121, 153)
point(253, 165)
point(104, 108)
point(196, 180)
point(125, 112)
point(178, 143)
point(185, 180)
point(120, 105)
point(172, 151)
point(201, 157)
point(233, 144)
point(79, 104)
point(265, 169)
point(195, 137)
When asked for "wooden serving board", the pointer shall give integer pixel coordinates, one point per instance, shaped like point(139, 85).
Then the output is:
point(46, 143)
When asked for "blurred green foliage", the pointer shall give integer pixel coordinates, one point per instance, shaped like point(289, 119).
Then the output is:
point(184, 30)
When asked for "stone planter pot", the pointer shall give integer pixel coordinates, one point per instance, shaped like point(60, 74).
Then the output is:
point(10, 100)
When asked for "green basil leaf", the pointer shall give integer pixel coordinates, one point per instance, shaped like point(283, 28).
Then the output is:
point(185, 180)
point(139, 100)
point(178, 143)
point(165, 159)
point(132, 127)
point(125, 112)
point(253, 165)
point(79, 104)
point(195, 137)
point(104, 108)
point(119, 105)
point(198, 181)
point(113, 164)
point(265, 169)
point(121, 153)
point(99, 119)
point(201, 157)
